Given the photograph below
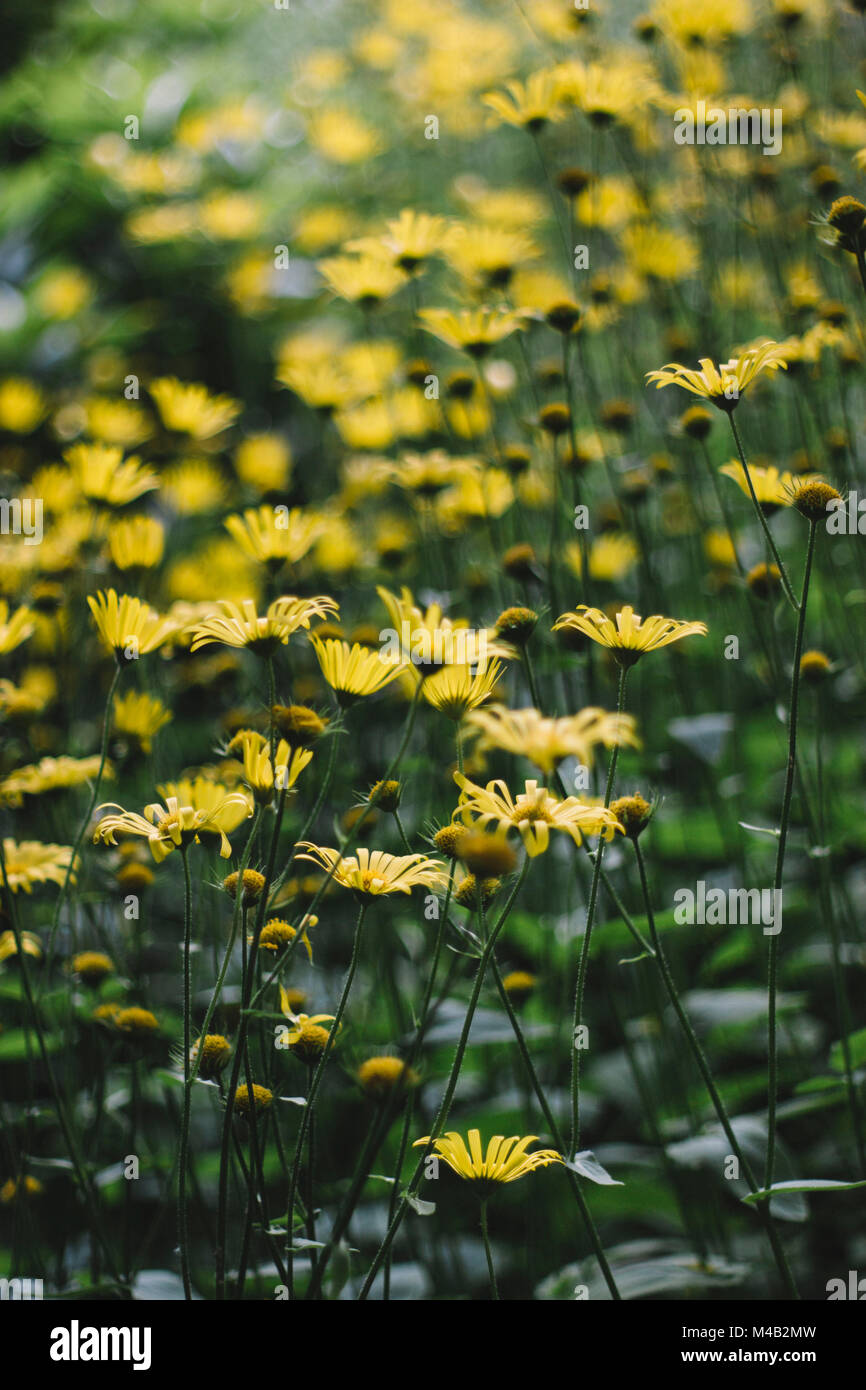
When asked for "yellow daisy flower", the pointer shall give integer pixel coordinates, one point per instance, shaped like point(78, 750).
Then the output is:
point(476, 331)
point(188, 408)
point(528, 105)
point(374, 873)
point(722, 385)
point(544, 741)
point(15, 630)
point(506, 1160)
point(534, 813)
point(31, 861)
point(353, 671)
point(238, 624)
point(274, 536)
point(102, 475)
point(629, 636)
point(455, 689)
point(169, 827)
point(127, 624)
point(140, 716)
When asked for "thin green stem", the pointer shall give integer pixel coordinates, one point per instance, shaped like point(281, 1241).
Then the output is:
point(765, 525)
point(485, 1236)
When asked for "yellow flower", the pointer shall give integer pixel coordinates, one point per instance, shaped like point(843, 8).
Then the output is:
point(456, 689)
point(534, 813)
point(193, 486)
point(492, 253)
point(277, 934)
point(342, 137)
point(264, 461)
point(168, 827)
point(375, 873)
point(605, 92)
point(773, 487)
point(274, 536)
point(364, 280)
point(411, 238)
point(31, 861)
point(353, 671)
point(238, 625)
point(476, 331)
point(428, 639)
point(126, 624)
point(92, 966)
point(102, 475)
point(545, 742)
point(379, 1076)
point(50, 774)
point(630, 636)
point(210, 797)
point(506, 1160)
point(611, 556)
point(15, 630)
point(116, 422)
point(722, 385)
point(141, 716)
point(261, 775)
point(188, 408)
point(660, 252)
point(22, 405)
point(30, 942)
point(136, 542)
point(529, 105)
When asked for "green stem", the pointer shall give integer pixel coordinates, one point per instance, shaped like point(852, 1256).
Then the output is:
point(765, 525)
point(773, 962)
point(182, 1215)
point(494, 1291)
point(82, 829)
point(315, 1083)
point(590, 919)
point(445, 1105)
point(709, 1082)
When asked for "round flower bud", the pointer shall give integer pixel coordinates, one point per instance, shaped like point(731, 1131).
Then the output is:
point(633, 814)
point(254, 886)
point(815, 667)
point(696, 422)
point(460, 386)
point(299, 726)
point(261, 1100)
point(812, 499)
point(555, 419)
point(386, 795)
point(447, 840)
point(134, 877)
point(516, 459)
point(519, 561)
point(846, 216)
point(486, 856)
point(466, 892)
point(92, 966)
point(573, 181)
point(516, 625)
point(380, 1076)
point(518, 985)
point(310, 1043)
point(564, 317)
point(215, 1052)
point(765, 581)
point(618, 415)
point(138, 1022)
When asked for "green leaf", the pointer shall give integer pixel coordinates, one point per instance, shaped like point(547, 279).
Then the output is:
point(803, 1185)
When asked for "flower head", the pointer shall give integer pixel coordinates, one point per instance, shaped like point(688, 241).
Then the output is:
point(722, 386)
point(14, 630)
point(373, 873)
point(353, 671)
point(127, 624)
point(275, 536)
point(533, 812)
point(169, 827)
point(628, 636)
point(544, 741)
point(188, 408)
point(476, 331)
point(31, 861)
point(238, 624)
point(102, 475)
point(506, 1160)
